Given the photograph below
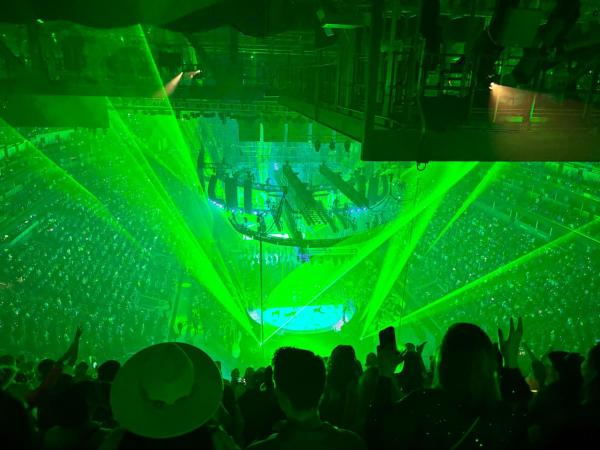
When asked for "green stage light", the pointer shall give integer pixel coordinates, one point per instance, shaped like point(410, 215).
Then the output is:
point(309, 282)
point(414, 259)
point(313, 319)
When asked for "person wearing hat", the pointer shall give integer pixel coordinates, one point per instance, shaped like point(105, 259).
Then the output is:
point(165, 396)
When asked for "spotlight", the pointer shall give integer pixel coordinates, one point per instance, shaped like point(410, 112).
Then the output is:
point(169, 87)
point(192, 74)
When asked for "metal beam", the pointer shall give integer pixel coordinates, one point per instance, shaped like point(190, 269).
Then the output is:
point(342, 123)
point(483, 145)
point(374, 56)
point(345, 188)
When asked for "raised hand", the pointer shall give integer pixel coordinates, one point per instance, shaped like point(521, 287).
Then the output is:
point(537, 366)
point(509, 347)
point(530, 352)
point(70, 356)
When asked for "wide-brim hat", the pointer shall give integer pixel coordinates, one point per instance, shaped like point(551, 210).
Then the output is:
point(166, 390)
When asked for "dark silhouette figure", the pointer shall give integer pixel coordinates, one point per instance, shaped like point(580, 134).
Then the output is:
point(16, 426)
point(299, 385)
point(413, 375)
point(463, 410)
point(74, 429)
point(341, 392)
point(556, 407)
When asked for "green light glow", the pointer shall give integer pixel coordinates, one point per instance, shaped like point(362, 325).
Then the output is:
point(489, 177)
point(188, 247)
point(397, 256)
point(68, 184)
point(112, 227)
point(309, 282)
point(318, 318)
point(444, 302)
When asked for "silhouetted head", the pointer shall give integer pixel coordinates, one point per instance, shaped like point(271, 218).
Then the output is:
point(412, 374)
point(371, 360)
point(257, 378)
point(467, 367)
point(81, 369)
point(342, 367)
point(107, 371)
point(16, 431)
point(591, 367)
point(299, 377)
point(44, 368)
point(566, 365)
point(566, 371)
point(591, 375)
point(235, 374)
point(249, 373)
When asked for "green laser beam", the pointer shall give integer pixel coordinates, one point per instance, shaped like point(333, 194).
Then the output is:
point(438, 181)
point(185, 245)
point(579, 233)
point(396, 260)
point(490, 176)
point(174, 130)
point(64, 175)
point(415, 315)
point(205, 240)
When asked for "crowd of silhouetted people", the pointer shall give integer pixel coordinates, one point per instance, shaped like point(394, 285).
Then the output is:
point(173, 395)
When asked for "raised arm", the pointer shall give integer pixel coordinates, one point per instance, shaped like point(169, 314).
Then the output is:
point(513, 387)
point(70, 356)
point(537, 367)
